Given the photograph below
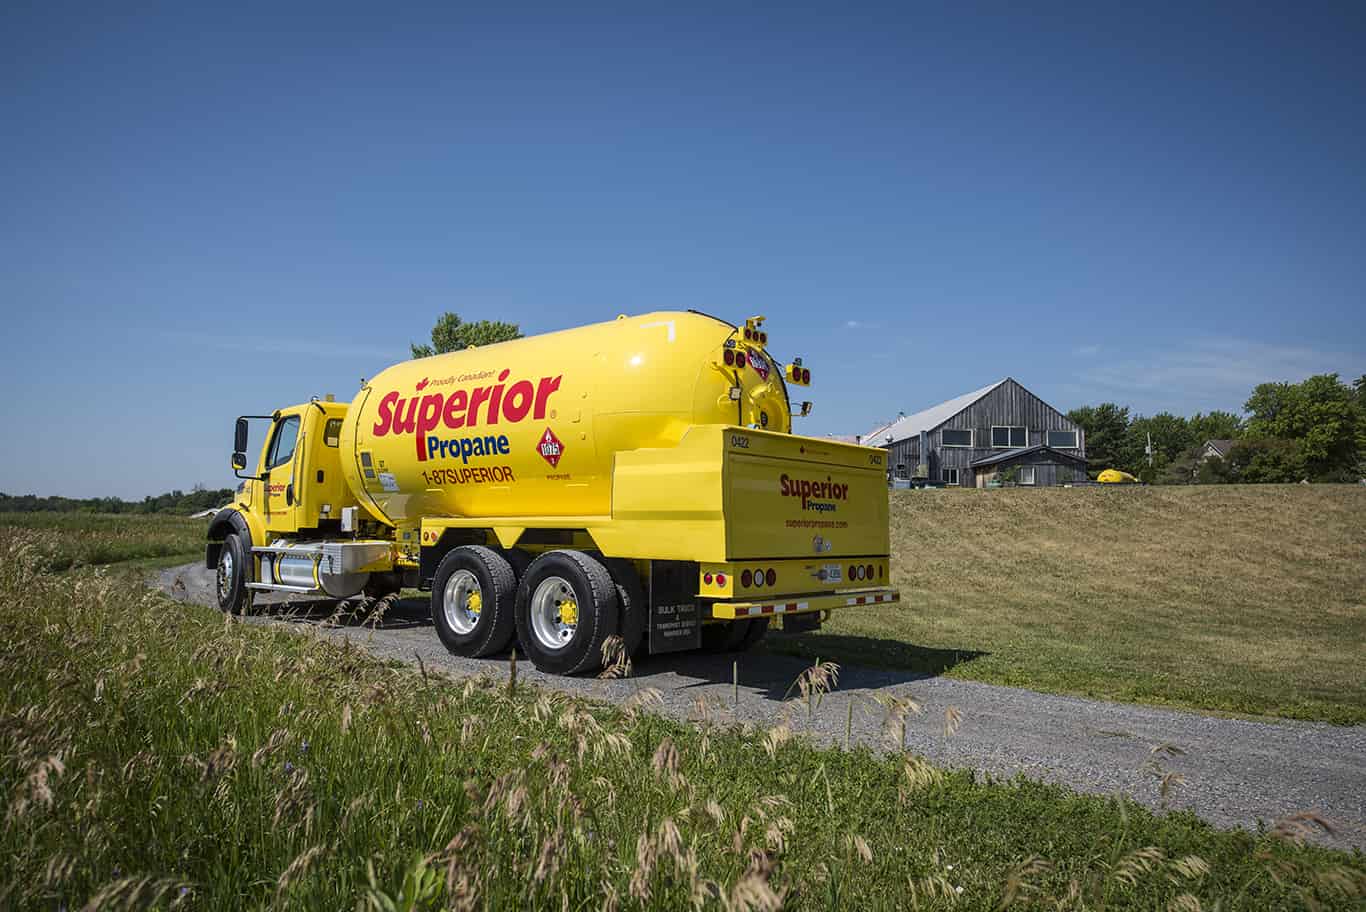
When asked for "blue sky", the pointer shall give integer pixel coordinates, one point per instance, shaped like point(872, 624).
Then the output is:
point(216, 211)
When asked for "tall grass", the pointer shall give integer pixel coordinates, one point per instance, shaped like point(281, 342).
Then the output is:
point(59, 541)
point(155, 753)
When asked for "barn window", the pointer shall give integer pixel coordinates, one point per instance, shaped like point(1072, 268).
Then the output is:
point(955, 438)
point(1063, 440)
point(1026, 476)
point(950, 476)
point(1008, 436)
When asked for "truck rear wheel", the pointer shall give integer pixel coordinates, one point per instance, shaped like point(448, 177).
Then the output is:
point(566, 607)
point(733, 636)
point(231, 576)
point(473, 596)
point(631, 599)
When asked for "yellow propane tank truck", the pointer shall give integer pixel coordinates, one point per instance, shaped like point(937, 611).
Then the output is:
point(637, 478)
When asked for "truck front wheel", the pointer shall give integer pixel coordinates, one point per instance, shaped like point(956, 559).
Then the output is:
point(566, 607)
point(472, 601)
point(230, 580)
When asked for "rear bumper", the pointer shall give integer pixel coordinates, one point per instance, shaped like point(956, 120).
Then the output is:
point(799, 604)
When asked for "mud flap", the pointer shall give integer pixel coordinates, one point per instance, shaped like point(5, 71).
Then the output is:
point(675, 611)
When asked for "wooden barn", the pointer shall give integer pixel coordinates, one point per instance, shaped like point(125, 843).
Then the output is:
point(1001, 431)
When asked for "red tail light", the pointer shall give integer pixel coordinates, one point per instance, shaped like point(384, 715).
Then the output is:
point(746, 579)
point(740, 359)
point(748, 334)
point(806, 376)
point(729, 357)
point(706, 578)
point(720, 579)
point(868, 572)
point(771, 577)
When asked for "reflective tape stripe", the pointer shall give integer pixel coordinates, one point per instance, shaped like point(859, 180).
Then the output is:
point(776, 608)
point(869, 599)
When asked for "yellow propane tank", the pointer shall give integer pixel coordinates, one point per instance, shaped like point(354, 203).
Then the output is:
point(532, 426)
point(1115, 476)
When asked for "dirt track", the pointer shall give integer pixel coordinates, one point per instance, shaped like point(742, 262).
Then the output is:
point(1236, 772)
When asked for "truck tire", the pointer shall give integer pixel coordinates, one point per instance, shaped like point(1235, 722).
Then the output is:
point(733, 636)
point(520, 560)
point(381, 585)
point(559, 641)
point(634, 608)
point(757, 628)
point(473, 596)
point(231, 576)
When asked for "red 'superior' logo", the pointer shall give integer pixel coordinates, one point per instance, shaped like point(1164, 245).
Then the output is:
point(550, 448)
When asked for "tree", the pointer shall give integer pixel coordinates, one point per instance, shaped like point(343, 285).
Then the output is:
point(1216, 425)
point(1264, 460)
point(1321, 415)
point(1105, 427)
point(453, 334)
point(1171, 437)
point(1359, 384)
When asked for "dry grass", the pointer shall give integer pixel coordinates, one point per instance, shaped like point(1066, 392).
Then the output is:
point(1232, 598)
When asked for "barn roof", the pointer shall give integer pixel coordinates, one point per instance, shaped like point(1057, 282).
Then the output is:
point(1220, 446)
point(1008, 455)
point(929, 419)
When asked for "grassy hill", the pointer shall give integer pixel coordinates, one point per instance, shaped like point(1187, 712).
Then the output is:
point(1227, 598)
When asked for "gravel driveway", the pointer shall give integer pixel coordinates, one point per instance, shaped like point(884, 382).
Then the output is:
point(1235, 772)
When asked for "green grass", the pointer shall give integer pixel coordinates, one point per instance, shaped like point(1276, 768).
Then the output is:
point(64, 540)
point(155, 753)
point(1238, 599)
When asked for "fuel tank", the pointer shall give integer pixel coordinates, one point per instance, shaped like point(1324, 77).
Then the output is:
point(532, 427)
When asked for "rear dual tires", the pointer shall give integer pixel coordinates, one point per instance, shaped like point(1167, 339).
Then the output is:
point(567, 607)
point(473, 596)
point(561, 606)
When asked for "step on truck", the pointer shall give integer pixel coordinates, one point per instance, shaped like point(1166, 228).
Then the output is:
point(637, 479)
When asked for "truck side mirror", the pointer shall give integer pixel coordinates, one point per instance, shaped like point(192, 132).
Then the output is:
point(239, 461)
point(239, 439)
point(806, 409)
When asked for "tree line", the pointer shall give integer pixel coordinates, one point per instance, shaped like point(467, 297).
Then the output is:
point(1309, 431)
point(172, 502)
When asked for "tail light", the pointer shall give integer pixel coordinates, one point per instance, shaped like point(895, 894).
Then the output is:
point(868, 572)
point(740, 359)
point(771, 577)
point(720, 579)
point(853, 572)
point(729, 358)
point(806, 376)
point(746, 579)
point(748, 334)
point(763, 338)
point(707, 578)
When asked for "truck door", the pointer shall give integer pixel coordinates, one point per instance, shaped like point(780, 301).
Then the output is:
point(282, 496)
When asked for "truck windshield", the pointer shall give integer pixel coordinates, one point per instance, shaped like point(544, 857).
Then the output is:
point(282, 447)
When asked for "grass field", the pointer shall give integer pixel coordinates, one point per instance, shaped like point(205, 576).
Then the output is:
point(1227, 598)
point(156, 754)
point(64, 540)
